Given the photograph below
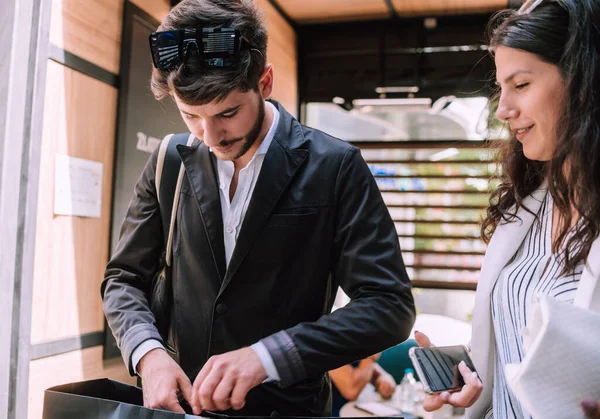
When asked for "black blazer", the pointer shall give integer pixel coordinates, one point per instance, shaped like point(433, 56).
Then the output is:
point(316, 221)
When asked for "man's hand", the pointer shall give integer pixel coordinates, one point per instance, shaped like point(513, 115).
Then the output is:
point(591, 409)
point(226, 379)
point(162, 381)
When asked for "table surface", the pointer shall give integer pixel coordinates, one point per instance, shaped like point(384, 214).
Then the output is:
point(369, 394)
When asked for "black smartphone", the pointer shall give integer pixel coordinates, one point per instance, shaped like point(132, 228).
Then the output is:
point(437, 367)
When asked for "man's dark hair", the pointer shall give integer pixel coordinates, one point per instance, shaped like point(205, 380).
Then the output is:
point(565, 33)
point(194, 84)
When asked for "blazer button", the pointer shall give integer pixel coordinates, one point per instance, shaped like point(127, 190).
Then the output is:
point(221, 308)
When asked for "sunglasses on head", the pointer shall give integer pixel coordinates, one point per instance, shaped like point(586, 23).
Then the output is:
point(217, 47)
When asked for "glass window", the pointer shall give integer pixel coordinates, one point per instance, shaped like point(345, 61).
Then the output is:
point(435, 172)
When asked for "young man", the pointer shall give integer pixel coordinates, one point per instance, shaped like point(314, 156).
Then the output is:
point(273, 217)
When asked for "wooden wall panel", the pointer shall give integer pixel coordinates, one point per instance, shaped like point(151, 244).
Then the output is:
point(158, 9)
point(283, 54)
point(68, 368)
point(90, 29)
point(71, 252)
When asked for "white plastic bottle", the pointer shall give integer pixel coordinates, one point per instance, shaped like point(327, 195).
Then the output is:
point(407, 391)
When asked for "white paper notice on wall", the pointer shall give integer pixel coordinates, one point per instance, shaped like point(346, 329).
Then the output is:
point(77, 187)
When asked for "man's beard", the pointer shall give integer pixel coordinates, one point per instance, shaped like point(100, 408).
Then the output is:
point(250, 138)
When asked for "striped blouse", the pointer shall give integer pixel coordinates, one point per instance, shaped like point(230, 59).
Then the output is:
point(534, 270)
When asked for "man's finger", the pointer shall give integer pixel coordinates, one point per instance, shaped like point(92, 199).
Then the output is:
point(185, 386)
point(239, 393)
point(423, 340)
point(172, 403)
point(207, 388)
point(202, 374)
point(222, 394)
point(198, 383)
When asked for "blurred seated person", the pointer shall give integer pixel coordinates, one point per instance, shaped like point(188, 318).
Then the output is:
point(348, 381)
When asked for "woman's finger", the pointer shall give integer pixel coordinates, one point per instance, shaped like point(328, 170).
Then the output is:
point(423, 340)
point(470, 391)
point(433, 402)
point(465, 370)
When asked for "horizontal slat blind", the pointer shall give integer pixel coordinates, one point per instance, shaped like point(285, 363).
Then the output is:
point(437, 204)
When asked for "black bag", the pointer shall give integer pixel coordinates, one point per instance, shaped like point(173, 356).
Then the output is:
point(108, 399)
point(100, 399)
point(169, 175)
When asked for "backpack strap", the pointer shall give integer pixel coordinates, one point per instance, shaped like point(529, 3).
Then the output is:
point(168, 180)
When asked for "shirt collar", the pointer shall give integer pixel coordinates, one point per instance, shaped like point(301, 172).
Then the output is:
point(264, 146)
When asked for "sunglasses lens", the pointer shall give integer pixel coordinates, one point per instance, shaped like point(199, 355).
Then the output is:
point(165, 49)
point(221, 47)
point(216, 47)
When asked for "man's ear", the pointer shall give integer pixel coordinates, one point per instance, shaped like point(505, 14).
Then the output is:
point(265, 84)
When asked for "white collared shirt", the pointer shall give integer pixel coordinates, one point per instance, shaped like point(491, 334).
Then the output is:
point(234, 211)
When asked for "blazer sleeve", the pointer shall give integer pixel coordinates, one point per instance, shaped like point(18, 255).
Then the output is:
point(128, 275)
point(368, 265)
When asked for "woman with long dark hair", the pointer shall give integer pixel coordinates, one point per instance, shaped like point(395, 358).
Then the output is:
point(543, 222)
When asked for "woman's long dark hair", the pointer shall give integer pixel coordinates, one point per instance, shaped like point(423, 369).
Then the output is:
point(565, 33)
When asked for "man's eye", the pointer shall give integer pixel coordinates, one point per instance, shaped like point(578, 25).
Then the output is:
point(228, 115)
point(190, 117)
point(522, 85)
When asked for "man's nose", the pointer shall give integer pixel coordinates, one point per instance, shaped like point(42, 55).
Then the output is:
point(211, 134)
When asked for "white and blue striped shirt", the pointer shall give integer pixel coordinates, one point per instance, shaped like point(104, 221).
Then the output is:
point(533, 271)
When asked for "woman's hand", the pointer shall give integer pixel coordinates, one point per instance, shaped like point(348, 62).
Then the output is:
point(591, 409)
point(463, 398)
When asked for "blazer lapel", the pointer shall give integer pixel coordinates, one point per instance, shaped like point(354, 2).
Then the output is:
point(505, 242)
point(278, 169)
point(200, 170)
